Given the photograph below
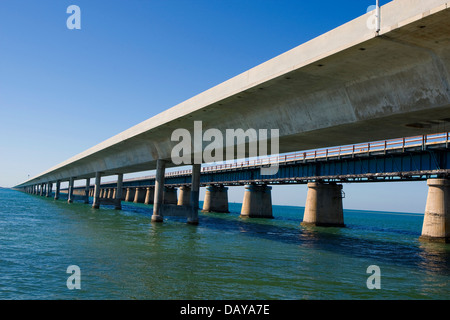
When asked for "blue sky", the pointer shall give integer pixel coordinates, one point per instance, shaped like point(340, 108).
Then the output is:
point(63, 91)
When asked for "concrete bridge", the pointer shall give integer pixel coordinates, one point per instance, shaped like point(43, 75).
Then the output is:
point(349, 85)
point(325, 170)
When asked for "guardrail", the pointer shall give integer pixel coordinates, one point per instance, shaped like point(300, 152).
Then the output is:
point(355, 149)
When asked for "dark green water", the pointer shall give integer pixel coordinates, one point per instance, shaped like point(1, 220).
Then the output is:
point(122, 255)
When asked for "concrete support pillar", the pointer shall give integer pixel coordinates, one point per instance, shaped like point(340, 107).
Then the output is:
point(184, 198)
point(216, 199)
point(159, 191)
point(86, 190)
point(49, 189)
point(70, 192)
point(96, 201)
point(149, 195)
point(195, 194)
point(436, 222)
point(118, 193)
point(257, 202)
point(130, 194)
point(170, 195)
point(139, 196)
point(324, 205)
point(108, 193)
point(41, 190)
point(58, 189)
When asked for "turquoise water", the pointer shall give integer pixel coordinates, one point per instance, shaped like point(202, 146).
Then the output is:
point(122, 255)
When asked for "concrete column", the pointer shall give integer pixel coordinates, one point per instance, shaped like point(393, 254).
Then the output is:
point(216, 199)
point(118, 193)
point(70, 193)
point(159, 191)
point(149, 195)
point(195, 194)
point(139, 196)
point(324, 205)
point(184, 198)
point(257, 202)
point(58, 189)
point(41, 191)
point(170, 195)
point(96, 201)
point(436, 222)
point(130, 194)
point(86, 190)
point(108, 193)
point(49, 189)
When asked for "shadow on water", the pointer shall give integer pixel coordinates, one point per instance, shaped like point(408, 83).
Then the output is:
point(350, 241)
point(340, 241)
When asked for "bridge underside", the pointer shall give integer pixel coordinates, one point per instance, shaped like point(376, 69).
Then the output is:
point(388, 86)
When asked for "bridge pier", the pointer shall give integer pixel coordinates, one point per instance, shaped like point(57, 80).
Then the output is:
point(184, 198)
point(257, 202)
point(86, 190)
point(170, 195)
point(216, 199)
point(70, 191)
point(139, 195)
point(97, 190)
point(49, 189)
point(130, 194)
point(436, 222)
point(41, 189)
point(118, 193)
point(195, 194)
point(57, 189)
point(159, 191)
point(149, 195)
point(324, 205)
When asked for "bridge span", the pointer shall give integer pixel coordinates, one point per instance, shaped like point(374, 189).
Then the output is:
point(416, 158)
point(351, 84)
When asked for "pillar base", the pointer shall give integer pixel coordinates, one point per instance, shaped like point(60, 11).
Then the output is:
point(435, 239)
point(184, 198)
point(193, 222)
point(436, 222)
point(96, 206)
point(216, 200)
point(157, 218)
point(324, 206)
point(257, 202)
point(318, 224)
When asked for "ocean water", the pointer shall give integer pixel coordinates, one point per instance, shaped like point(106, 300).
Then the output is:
point(122, 255)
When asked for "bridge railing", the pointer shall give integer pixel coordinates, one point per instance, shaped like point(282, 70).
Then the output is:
point(320, 154)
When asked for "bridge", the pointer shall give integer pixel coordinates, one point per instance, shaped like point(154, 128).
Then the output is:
point(349, 85)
